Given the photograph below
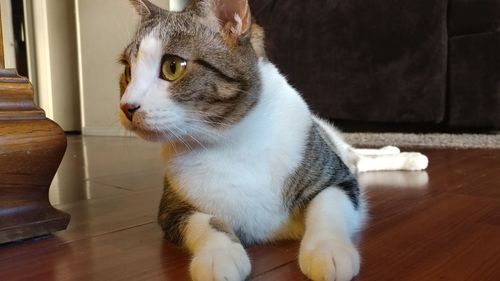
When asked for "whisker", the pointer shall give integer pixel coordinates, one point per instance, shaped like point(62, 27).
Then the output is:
point(198, 142)
point(201, 129)
point(180, 138)
point(225, 125)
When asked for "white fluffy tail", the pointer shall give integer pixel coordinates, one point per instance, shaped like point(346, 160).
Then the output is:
point(389, 158)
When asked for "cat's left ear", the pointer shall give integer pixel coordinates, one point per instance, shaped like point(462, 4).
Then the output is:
point(144, 8)
point(232, 17)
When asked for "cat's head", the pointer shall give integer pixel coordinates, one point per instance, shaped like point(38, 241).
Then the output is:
point(190, 74)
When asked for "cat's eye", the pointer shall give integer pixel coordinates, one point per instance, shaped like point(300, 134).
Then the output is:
point(172, 67)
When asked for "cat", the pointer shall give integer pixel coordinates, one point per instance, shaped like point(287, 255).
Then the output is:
point(246, 161)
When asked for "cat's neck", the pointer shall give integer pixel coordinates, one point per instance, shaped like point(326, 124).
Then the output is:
point(278, 106)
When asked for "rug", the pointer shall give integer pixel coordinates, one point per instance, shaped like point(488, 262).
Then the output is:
point(457, 141)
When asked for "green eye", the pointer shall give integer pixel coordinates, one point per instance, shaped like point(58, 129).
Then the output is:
point(172, 67)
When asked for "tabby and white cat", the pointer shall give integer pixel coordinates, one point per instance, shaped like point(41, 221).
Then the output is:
point(246, 161)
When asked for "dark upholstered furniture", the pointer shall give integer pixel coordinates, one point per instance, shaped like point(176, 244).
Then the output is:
point(390, 61)
point(474, 63)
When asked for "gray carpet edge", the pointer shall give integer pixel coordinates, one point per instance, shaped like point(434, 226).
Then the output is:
point(455, 141)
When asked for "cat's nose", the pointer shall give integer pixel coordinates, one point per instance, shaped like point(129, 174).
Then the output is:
point(129, 109)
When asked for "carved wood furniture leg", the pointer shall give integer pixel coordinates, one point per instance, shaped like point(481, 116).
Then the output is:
point(31, 149)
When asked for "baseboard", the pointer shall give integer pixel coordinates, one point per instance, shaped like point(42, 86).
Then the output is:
point(105, 131)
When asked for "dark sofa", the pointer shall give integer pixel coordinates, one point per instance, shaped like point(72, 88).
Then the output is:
point(390, 61)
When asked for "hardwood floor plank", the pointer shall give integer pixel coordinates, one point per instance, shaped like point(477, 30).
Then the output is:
point(287, 272)
point(266, 258)
point(472, 258)
point(134, 181)
point(408, 240)
point(82, 191)
point(112, 214)
point(492, 218)
point(95, 157)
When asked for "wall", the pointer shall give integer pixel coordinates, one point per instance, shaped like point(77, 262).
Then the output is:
point(8, 35)
point(104, 29)
point(178, 5)
point(55, 59)
point(29, 28)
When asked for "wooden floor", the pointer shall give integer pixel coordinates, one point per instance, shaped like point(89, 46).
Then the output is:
point(443, 224)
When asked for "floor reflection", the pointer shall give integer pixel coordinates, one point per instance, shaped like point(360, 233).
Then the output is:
point(97, 167)
point(69, 184)
point(175, 262)
point(394, 179)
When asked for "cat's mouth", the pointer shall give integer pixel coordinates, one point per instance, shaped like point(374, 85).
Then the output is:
point(191, 132)
point(151, 135)
point(140, 128)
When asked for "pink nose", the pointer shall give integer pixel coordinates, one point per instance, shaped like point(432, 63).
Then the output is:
point(129, 109)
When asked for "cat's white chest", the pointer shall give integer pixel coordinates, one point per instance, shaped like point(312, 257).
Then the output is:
point(235, 186)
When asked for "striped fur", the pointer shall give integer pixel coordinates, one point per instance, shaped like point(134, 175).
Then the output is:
point(173, 214)
point(321, 168)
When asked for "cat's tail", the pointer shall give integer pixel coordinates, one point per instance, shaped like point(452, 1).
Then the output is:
point(388, 158)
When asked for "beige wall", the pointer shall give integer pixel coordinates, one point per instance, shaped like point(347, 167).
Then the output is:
point(64, 60)
point(104, 29)
point(55, 60)
point(178, 5)
point(8, 35)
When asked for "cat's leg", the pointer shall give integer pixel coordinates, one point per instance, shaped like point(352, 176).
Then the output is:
point(218, 254)
point(326, 251)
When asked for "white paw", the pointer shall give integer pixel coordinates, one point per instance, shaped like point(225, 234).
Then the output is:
point(222, 264)
point(390, 150)
point(329, 260)
point(415, 161)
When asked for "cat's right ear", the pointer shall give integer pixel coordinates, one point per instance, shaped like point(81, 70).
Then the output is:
point(230, 17)
point(144, 8)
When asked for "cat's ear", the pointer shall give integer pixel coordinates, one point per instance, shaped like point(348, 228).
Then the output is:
point(145, 8)
point(233, 17)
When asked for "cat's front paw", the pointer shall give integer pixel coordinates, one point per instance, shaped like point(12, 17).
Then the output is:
point(221, 264)
point(329, 260)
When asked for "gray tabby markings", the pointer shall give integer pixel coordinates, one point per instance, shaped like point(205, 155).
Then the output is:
point(321, 168)
point(173, 215)
point(220, 226)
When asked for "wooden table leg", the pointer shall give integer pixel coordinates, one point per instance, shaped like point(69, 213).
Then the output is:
point(31, 149)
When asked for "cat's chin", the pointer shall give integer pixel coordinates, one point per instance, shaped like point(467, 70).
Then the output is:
point(157, 136)
point(191, 139)
point(148, 135)
point(152, 136)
